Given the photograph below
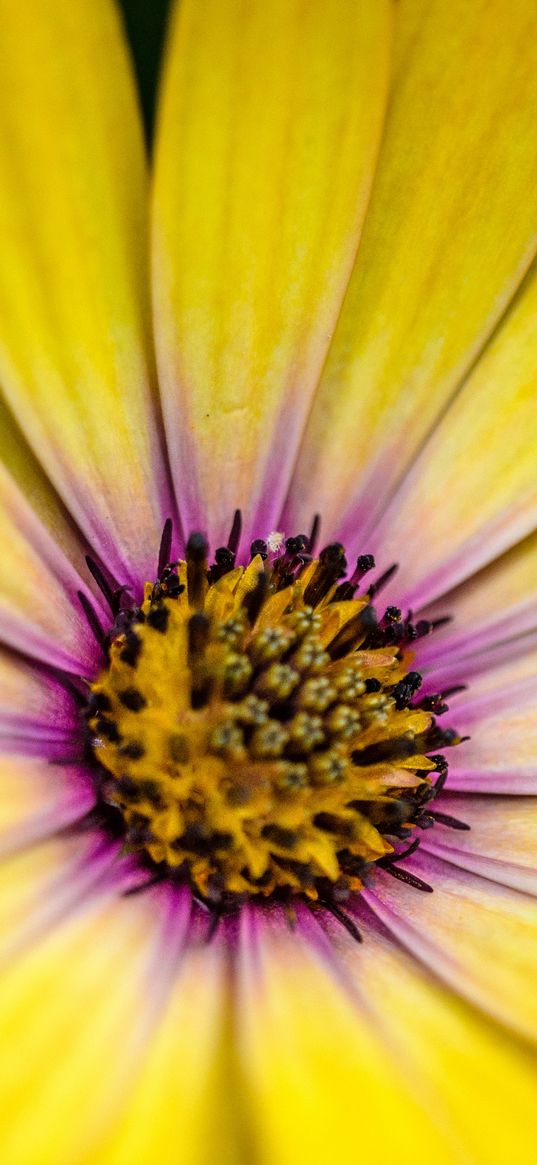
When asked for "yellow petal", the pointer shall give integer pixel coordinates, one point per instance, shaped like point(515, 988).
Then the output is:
point(72, 1023)
point(473, 492)
point(323, 1084)
point(269, 127)
point(477, 1082)
point(450, 231)
point(181, 1110)
point(74, 336)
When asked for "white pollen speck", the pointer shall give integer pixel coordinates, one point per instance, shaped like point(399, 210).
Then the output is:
point(275, 541)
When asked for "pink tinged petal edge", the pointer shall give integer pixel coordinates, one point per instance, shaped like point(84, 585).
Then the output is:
point(396, 908)
point(474, 651)
point(68, 643)
point(500, 843)
point(508, 781)
point(496, 870)
point(493, 539)
point(69, 796)
point(38, 716)
point(497, 712)
point(439, 671)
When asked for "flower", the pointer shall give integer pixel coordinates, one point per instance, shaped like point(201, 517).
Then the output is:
point(343, 210)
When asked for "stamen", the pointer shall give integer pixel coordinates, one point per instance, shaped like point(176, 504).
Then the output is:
point(314, 533)
point(451, 822)
point(103, 584)
point(260, 547)
point(93, 622)
point(255, 731)
point(383, 580)
point(165, 546)
point(235, 533)
point(347, 922)
point(196, 562)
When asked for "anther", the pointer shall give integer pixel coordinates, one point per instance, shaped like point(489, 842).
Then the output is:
point(408, 878)
point(330, 823)
point(224, 561)
point(165, 546)
point(449, 821)
point(158, 618)
point(383, 580)
point(384, 750)
point(284, 838)
point(235, 532)
point(314, 533)
point(351, 635)
point(343, 918)
point(364, 564)
point(93, 622)
point(102, 583)
point(198, 635)
point(434, 703)
point(134, 750)
point(331, 566)
point(131, 698)
point(196, 562)
point(253, 601)
point(130, 653)
point(258, 546)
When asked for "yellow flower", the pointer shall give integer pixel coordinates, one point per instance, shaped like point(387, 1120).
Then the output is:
point(320, 300)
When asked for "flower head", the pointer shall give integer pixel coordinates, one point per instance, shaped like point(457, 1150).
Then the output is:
point(268, 878)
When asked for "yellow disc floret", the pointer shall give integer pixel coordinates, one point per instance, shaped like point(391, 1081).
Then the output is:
point(248, 734)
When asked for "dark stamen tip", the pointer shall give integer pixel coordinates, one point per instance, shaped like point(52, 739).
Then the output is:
point(197, 547)
point(259, 546)
point(141, 886)
point(158, 618)
point(93, 622)
point(235, 532)
point(343, 918)
point(198, 634)
point(436, 623)
point(214, 922)
point(102, 582)
point(449, 821)
point(409, 879)
point(196, 557)
point(383, 580)
point(314, 533)
point(254, 599)
point(165, 546)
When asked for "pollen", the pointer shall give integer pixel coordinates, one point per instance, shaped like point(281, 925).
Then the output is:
point(256, 726)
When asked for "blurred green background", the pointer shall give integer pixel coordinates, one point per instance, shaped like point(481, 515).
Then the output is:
point(145, 22)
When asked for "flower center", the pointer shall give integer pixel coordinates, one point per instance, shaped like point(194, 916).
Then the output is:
point(256, 726)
